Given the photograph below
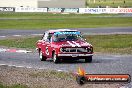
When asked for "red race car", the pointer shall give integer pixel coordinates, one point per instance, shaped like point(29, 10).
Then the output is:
point(64, 44)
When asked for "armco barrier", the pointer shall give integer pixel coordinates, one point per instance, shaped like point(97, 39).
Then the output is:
point(55, 10)
point(63, 10)
point(7, 9)
point(27, 9)
point(70, 10)
point(104, 10)
point(92, 10)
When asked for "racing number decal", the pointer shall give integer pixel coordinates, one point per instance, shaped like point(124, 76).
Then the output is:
point(47, 51)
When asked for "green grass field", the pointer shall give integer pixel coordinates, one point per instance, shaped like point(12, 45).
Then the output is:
point(47, 21)
point(20, 42)
point(121, 44)
point(110, 3)
point(111, 43)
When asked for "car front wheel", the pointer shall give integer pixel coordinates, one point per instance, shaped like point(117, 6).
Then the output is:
point(55, 58)
point(42, 58)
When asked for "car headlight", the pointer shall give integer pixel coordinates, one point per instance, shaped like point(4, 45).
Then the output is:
point(62, 49)
point(90, 49)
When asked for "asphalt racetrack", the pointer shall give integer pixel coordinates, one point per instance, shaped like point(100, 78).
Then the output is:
point(102, 63)
point(112, 30)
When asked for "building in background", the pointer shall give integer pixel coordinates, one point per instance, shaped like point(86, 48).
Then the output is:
point(61, 3)
point(18, 3)
point(43, 3)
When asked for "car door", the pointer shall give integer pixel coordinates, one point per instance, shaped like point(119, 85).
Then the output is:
point(40, 43)
point(47, 45)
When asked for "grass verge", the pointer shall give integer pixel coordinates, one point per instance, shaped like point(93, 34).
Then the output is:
point(116, 43)
point(13, 77)
point(111, 43)
point(13, 86)
point(20, 42)
point(42, 78)
point(43, 21)
point(52, 74)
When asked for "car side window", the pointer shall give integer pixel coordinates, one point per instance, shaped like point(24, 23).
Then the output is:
point(47, 37)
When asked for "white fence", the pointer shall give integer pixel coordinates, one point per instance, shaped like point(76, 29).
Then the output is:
point(70, 10)
point(104, 10)
point(7, 9)
point(30, 9)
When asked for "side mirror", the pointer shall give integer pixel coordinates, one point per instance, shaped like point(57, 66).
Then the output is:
point(41, 37)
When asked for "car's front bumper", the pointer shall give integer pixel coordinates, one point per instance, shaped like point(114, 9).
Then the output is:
point(74, 55)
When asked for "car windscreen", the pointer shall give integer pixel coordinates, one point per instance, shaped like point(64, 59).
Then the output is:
point(67, 36)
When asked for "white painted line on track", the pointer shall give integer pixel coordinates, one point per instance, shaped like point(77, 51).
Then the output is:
point(16, 66)
point(14, 50)
point(36, 34)
point(20, 66)
point(3, 50)
point(60, 70)
point(2, 64)
point(23, 51)
point(16, 35)
point(2, 36)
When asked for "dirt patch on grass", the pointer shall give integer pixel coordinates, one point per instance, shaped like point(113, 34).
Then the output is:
point(36, 78)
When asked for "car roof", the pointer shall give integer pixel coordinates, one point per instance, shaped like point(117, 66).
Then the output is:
point(59, 30)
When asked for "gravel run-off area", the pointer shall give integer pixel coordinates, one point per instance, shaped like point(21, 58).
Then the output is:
point(43, 78)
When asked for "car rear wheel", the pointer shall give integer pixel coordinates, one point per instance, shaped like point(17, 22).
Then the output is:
point(42, 58)
point(55, 58)
point(89, 59)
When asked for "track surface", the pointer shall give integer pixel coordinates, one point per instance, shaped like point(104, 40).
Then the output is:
point(112, 30)
point(102, 63)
